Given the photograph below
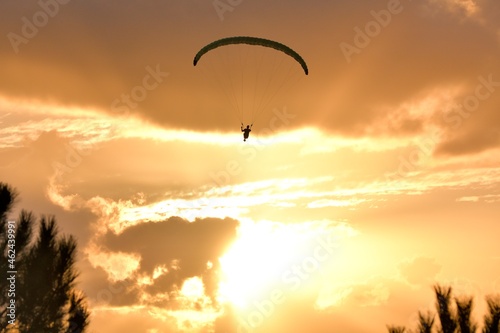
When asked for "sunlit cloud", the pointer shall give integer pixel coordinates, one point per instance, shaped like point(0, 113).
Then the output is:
point(145, 279)
point(189, 319)
point(334, 203)
point(417, 117)
point(192, 288)
point(119, 266)
point(489, 198)
point(364, 294)
point(467, 7)
point(420, 270)
point(469, 199)
point(87, 127)
point(332, 296)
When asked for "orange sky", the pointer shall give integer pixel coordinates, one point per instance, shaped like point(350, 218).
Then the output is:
point(361, 185)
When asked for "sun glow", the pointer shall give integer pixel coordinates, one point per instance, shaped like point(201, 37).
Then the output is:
point(263, 259)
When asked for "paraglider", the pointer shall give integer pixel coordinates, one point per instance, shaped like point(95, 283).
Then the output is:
point(246, 131)
point(250, 76)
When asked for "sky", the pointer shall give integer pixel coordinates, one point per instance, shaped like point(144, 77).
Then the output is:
point(362, 184)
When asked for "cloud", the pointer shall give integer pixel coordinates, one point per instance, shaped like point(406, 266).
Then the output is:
point(138, 320)
point(420, 270)
point(360, 295)
point(183, 248)
point(489, 198)
point(466, 8)
point(167, 157)
point(118, 265)
point(417, 52)
point(370, 295)
point(334, 203)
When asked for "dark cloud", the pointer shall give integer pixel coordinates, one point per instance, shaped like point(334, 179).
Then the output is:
point(472, 126)
point(91, 53)
point(177, 242)
point(470, 143)
point(100, 291)
point(403, 61)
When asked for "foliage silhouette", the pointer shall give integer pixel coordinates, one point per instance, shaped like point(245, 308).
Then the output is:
point(45, 296)
point(455, 321)
point(492, 319)
point(443, 304)
point(396, 329)
point(425, 322)
point(464, 310)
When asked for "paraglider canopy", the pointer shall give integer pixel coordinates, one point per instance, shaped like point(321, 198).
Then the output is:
point(250, 71)
point(252, 41)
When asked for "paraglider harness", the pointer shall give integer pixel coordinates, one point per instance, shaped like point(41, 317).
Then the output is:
point(246, 131)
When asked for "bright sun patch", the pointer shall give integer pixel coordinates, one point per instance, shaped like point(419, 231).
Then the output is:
point(267, 256)
point(250, 263)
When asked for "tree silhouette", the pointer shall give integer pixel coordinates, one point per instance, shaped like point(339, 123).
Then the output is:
point(396, 329)
point(464, 310)
point(443, 303)
point(425, 322)
point(458, 321)
point(45, 296)
point(492, 319)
